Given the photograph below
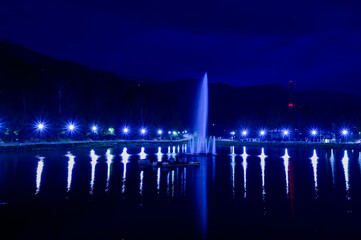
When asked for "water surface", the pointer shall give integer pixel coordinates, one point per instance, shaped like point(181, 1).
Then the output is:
point(240, 193)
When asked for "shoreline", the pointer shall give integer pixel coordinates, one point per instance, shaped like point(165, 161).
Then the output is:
point(67, 145)
point(349, 145)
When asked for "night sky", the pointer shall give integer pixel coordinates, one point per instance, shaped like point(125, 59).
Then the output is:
point(317, 44)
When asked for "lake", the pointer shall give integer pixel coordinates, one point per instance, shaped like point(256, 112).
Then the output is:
point(108, 193)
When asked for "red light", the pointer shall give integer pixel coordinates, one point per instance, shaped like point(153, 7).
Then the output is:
point(290, 104)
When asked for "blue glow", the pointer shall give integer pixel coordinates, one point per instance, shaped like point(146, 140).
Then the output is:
point(233, 133)
point(286, 132)
point(160, 132)
point(244, 133)
point(314, 132)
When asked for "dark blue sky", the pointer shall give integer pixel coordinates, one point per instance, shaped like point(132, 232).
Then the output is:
point(317, 44)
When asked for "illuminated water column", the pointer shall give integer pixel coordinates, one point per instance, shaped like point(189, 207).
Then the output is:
point(71, 163)
point(286, 158)
point(345, 164)
point(314, 161)
point(332, 162)
point(109, 157)
point(39, 172)
point(244, 164)
point(263, 165)
point(94, 161)
point(233, 170)
point(125, 159)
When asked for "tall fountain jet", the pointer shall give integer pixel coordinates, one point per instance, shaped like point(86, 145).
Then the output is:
point(199, 143)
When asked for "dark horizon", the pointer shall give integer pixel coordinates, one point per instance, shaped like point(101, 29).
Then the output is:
point(313, 43)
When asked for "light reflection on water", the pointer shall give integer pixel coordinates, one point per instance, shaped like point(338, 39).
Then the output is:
point(345, 166)
point(263, 167)
point(94, 161)
point(109, 157)
point(71, 163)
point(174, 183)
point(244, 164)
point(125, 158)
point(286, 158)
point(39, 172)
point(314, 161)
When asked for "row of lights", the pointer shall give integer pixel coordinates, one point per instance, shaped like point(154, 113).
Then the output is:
point(72, 127)
point(286, 132)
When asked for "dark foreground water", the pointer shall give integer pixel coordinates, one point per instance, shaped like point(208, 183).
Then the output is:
point(104, 194)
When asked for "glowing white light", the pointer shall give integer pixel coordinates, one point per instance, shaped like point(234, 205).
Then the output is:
point(286, 158)
point(286, 132)
point(314, 132)
point(345, 161)
point(185, 131)
point(39, 171)
point(160, 132)
point(244, 133)
point(169, 132)
point(314, 165)
point(142, 154)
point(40, 127)
point(143, 131)
point(344, 132)
point(233, 133)
point(71, 163)
point(125, 130)
point(174, 133)
point(159, 154)
point(71, 127)
point(232, 150)
point(93, 163)
point(262, 132)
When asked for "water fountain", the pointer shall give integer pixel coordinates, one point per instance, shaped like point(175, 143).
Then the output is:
point(199, 143)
